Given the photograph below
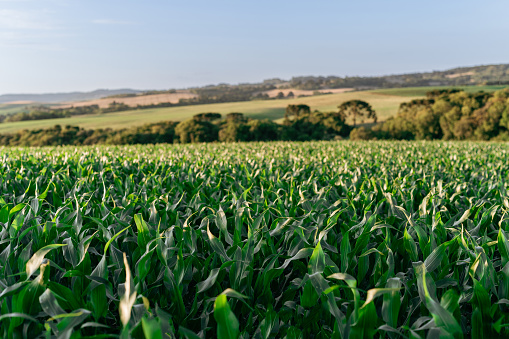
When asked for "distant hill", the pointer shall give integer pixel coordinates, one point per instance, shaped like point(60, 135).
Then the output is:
point(298, 86)
point(461, 76)
point(63, 97)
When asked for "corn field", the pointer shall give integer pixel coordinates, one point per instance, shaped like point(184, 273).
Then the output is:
point(255, 240)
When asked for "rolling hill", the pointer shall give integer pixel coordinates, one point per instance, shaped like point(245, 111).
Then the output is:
point(385, 105)
point(385, 95)
point(63, 97)
point(461, 76)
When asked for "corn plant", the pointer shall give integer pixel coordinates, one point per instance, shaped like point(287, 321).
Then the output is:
point(255, 240)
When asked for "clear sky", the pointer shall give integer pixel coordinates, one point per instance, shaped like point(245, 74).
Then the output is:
point(68, 45)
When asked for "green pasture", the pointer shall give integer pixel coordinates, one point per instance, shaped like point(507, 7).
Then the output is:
point(385, 106)
point(384, 101)
point(421, 91)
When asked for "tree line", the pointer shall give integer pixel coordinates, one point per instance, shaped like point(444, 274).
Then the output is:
point(300, 124)
point(44, 112)
point(464, 76)
point(444, 115)
point(447, 115)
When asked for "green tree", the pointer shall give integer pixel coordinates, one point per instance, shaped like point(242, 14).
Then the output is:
point(235, 128)
point(264, 130)
point(196, 130)
point(295, 111)
point(334, 123)
point(280, 95)
point(207, 116)
point(315, 126)
point(233, 131)
point(237, 117)
point(357, 109)
point(416, 120)
point(436, 93)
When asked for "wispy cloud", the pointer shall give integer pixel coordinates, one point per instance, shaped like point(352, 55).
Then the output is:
point(14, 19)
point(112, 22)
point(20, 28)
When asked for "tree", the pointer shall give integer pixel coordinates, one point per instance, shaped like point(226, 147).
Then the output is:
point(237, 117)
point(436, 93)
point(415, 120)
point(196, 130)
point(207, 116)
point(334, 123)
point(280, 95)
point(290, 95)
point(357, 109)
point(315, 126)
point(262, 96)
point(233, 131)
point(234, 128)
point(296, 111)
point(263, 130)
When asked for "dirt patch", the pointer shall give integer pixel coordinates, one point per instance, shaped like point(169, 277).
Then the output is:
point(20, 102)
point(152, 99)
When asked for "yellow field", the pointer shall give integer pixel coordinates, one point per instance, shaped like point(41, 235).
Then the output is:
point(152, 99)
point(384, 104)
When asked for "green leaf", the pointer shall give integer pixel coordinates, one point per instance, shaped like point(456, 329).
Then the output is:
point(227, 323)
point(217, 246)
point(151, 328)
point(209, 282)
point(503, 246)
point(188, 333)
point(443, 318)
point(392, 303)
point(69, 321)
point(233, 294)
point(143, 231)
point(17, 224)
point(4, 214)
point(410, 246)
point(38, 257)
point(17, 208)
point(18, 315)
point(433, 261)
point(222, 225)
point(113, 238)
point(317, 260)
point(309, 297)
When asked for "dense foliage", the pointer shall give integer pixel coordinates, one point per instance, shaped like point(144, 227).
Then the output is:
point(450, 115)
point(228, 93)
point(205, 96)
point(203, 127)
point(163, 132)
point(357, 110)
point(286, 240)
point(44, 112)
point(303, 125)
point(447, 114)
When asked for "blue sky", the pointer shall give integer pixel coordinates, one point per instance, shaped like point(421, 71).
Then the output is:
point(68, 45)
